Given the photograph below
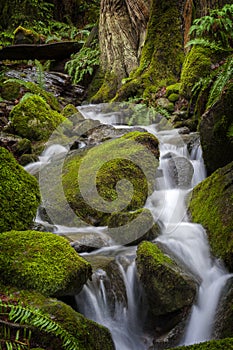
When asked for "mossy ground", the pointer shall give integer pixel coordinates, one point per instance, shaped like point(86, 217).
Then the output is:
point(19, 194)
point(41, 261)
point(211, 205)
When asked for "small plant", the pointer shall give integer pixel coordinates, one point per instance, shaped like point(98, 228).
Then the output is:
point(215, 30)
point(84, 62)
point(17, 322)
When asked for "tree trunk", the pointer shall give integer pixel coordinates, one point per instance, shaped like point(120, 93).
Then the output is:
point(143, 41)
point(122, 29)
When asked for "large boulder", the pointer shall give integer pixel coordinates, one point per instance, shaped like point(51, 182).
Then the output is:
point(115, 176)
point(215, 124)
point(34, 119)
point(19, 193)
point(170, 291)
point(211, 205)
point(51, 322)
point(41, 261)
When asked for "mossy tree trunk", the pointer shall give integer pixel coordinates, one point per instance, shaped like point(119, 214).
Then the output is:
point(142, 42)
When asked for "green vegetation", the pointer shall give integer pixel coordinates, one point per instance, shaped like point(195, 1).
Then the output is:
point(41, 261)
point(83, 63)
point(211, 205)
point(33, 321)
point(19, 194)
point(215, 30)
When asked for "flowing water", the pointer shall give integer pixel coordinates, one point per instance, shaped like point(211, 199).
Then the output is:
point(181, 168)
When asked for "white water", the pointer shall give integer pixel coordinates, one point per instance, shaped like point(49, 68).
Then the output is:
point(186, 240)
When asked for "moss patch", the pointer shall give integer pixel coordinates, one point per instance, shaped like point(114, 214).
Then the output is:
point(212, 205)
point(41, 261)
point(34, 119)
point(19, 194)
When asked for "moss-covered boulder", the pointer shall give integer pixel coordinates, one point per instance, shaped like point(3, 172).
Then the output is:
point(215, 126)
point(15, 89)
point(41, 261)
point(114, 176)
point(211, 205)
point(33, 118)
point(27, 36)
point(224, 344)
point(51, 322)
point(170, 291)
point(19, 194)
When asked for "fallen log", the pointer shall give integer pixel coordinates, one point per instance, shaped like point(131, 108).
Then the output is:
point(53, 51)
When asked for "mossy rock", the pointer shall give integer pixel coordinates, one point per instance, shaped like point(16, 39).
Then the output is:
point(173, 97)
point(33, 118)
point(27, 36)
point(173, 89)
point(197, 65)
point(69, 110)
point(84, 334)
point(133, 227)
point(224, 344)
point(170, 291)
point(19, 194)
point(211, 205)
point(89, 180)
point(133, 156)
point(12, 89)
point(215, 124)
point(41, 261)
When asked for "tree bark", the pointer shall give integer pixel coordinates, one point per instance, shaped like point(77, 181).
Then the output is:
point(122, 29)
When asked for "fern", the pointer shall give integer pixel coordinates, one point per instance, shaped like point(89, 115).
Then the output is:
point(30, 317)
point(215, 30)
point(224, 75)
point(84, 62)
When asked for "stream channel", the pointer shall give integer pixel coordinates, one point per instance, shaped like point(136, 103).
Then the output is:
point(187, 241)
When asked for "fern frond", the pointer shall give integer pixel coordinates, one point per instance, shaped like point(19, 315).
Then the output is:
point(31, 317)
point(225, 73)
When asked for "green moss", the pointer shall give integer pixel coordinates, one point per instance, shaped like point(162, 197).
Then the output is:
point(173, 89)
point(19, 194)
point(153, 254)
point(26, 36)
point(197, 65)
point(226, 344)
point(41, 261)
point(107, 90)
point(69, 110)
point(162, 54)
point(125, 153)
point(34, 119)
point(212, 205)
point(12, 89)
point(173, 97)
point(89, 335)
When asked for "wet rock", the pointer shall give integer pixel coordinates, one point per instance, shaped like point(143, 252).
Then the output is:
point(223, 324)
point(133, 227)
point(211, 204)
point(214, 129)
point(170, 291)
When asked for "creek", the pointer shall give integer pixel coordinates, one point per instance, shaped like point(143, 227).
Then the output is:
point(181, 168)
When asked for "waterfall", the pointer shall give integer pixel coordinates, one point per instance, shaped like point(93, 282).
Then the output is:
point(181, 168)
point(124, 318)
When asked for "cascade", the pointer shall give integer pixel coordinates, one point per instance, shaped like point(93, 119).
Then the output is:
point(179, 171)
